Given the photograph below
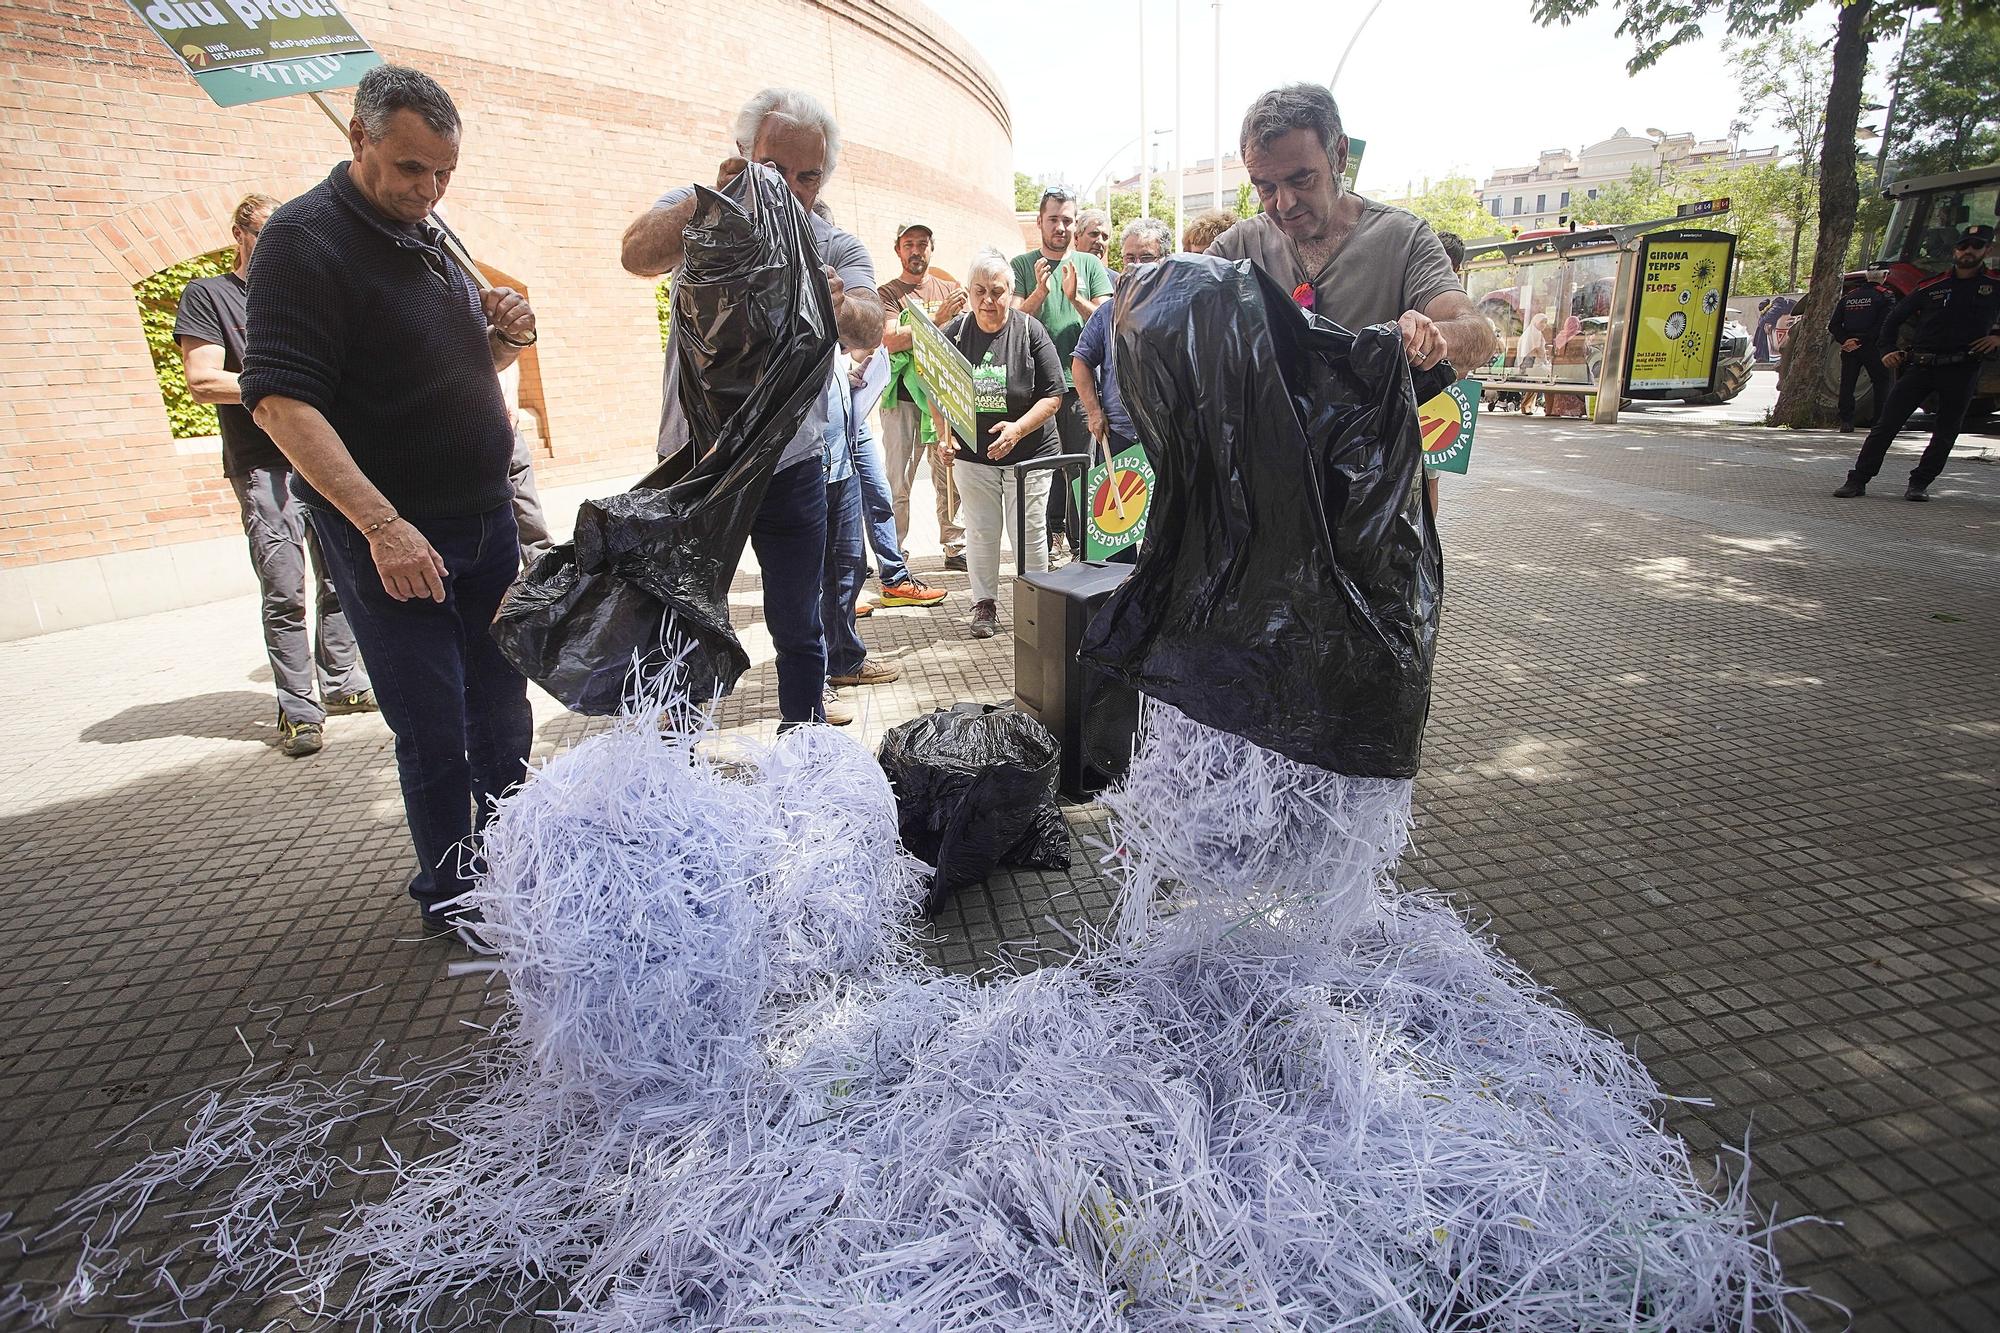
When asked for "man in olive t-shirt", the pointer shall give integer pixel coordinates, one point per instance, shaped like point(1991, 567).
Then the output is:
point(1062, 287)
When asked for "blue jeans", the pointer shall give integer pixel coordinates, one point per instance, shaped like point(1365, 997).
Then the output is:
point(879, 506)
point(789, 537)
point(846, 570)
point(458, 708)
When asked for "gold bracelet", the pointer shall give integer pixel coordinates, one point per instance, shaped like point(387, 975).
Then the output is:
point(378, 525)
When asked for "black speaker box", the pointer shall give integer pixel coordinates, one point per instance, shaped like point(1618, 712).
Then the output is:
point(1094, 717)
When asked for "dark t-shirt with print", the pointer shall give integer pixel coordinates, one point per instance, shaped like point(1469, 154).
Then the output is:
point(216, 310)
point(1012, 370)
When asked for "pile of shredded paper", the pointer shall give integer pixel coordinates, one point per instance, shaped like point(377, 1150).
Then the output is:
point(1274, 1093)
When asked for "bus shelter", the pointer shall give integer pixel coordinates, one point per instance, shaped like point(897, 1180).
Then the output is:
point(1589, 319)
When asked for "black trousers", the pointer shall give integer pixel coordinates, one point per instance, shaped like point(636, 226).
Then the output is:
point(1953, 387)
point(1074, 432)
point(1868, 358)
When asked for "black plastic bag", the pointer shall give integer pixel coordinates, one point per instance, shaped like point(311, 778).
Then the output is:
point(976, 788)
point(1289, 585)
point(647, 576)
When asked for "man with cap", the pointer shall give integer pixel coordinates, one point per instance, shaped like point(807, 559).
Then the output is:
point(1957, 316)
point(905, 419)
point(1856, 328)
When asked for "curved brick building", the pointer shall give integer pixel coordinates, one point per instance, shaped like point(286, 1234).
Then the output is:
point(114, 165)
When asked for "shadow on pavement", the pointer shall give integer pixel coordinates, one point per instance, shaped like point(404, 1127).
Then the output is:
point(226, 715)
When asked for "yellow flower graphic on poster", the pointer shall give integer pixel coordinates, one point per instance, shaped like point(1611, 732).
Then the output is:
point(1677, 325)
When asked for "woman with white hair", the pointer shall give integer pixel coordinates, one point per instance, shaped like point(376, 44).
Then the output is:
point(1017, 385)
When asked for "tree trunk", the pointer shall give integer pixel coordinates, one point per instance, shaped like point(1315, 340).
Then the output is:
point(1839, 197)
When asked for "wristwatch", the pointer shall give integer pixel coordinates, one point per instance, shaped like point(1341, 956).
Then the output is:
point(528, 341)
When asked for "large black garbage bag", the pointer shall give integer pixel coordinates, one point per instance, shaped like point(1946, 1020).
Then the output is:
point(976, 788)
point(647, 575)
point(1289, 585)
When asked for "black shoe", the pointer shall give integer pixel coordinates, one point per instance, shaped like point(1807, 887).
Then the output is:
point(1851, 488)
point(299, 739)
point(955, 562)
point(453, 921)
point(1915, 492)
point(363, 702)
point(1847, 428)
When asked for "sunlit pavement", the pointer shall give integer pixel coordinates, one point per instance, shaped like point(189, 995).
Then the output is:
point(1716, 756)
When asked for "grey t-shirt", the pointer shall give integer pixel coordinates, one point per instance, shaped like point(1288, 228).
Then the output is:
point(1390, 263)
point(849, 258)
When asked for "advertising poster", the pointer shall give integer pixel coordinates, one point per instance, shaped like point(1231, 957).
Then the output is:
point(243, 51)
point(1677, 319)
point(1447, 423)
point(945, 372)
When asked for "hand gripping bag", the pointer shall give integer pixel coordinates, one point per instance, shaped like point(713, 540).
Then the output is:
point(755, 337)
point(1289, 586)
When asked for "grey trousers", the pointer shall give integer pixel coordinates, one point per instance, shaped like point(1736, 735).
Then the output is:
point(528, 515)
point(280, 546)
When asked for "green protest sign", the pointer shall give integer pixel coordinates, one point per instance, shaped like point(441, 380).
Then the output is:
point(1120, 492)
point(1447, 423)
point(250, 50)
point(944, 371)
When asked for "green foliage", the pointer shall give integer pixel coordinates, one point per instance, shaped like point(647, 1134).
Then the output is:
point(1947, 99)
point(1760, 196)
point(1452, 204)
point(1786, 76)
point(1027, 192)
point(159, 299)
point(1246, 201)
point(663, 301)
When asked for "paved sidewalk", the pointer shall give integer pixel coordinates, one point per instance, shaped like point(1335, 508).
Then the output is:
point(1717, 756)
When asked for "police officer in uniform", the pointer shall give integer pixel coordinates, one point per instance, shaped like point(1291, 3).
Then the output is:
point(1856, 328)
point(1957, 317)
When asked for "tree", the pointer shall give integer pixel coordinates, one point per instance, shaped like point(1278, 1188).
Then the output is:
point(1784, 76)
point(1642, 196)
point(1452, 204)
point(1246, 201)
point(1658, 26)
point(1948, 100)
point(159, 299)
point(1027, 192)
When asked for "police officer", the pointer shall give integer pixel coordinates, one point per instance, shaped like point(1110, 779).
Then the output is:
point(1856, 327)
point(1957, 325)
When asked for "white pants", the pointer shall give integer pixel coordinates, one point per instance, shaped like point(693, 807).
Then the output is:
point(987, 493)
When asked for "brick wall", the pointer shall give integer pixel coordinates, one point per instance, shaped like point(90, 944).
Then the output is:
point(578, 114)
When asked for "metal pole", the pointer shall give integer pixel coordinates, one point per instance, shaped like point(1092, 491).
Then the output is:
point(1217, 7)
point(1145, 138)
point(1335, 80)
point(1180, 158)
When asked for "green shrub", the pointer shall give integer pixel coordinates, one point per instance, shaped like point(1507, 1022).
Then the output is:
point(159, 298)
point(663, 299)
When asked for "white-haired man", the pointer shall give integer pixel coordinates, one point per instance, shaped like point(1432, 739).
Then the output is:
point(792, 133)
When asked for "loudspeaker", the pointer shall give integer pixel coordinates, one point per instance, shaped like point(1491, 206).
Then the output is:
point(1095, 717)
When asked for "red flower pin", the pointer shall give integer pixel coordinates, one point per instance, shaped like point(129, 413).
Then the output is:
point(1303, 294)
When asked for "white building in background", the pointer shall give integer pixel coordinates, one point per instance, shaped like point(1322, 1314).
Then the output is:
point(1537, 197)
point(1197, 182)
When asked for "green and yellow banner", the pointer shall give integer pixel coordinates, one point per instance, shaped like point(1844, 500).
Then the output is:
point(243, 51)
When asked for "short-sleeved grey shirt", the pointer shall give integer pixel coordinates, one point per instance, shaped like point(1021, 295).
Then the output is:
point(1392, 262)
point(849, 258)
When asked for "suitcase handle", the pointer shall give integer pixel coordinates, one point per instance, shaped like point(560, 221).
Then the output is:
point(1055, 462)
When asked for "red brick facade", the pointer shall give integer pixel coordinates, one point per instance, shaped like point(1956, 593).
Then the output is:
point(114, 165)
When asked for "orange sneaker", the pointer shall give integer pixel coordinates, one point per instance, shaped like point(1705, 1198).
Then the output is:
point(912, 591)
point(863, 608)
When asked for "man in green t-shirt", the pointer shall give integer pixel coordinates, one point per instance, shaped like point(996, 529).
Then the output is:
point(1062, 288)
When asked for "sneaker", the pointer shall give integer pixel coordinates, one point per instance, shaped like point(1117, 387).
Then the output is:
point(363, 702)
point(912, 591)
point(299, 739)
point(985, 620)
point(955, 561)
point(835, 709)
point(1847, 428)
point(1851, 488)
point(1058, 550)
point(871, 673)
point(1915, 492)
point(863, 608)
